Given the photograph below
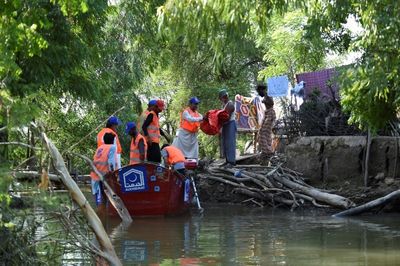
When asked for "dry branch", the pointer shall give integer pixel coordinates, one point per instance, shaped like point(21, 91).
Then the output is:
point(274, 184)
point(20, 144)
point(370, 205)
point(111, 195)
point(82, 202)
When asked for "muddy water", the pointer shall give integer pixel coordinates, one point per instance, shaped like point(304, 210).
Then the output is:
point(231, 235)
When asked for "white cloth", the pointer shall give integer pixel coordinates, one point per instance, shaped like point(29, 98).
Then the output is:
point(188, 117)
point(187, 142)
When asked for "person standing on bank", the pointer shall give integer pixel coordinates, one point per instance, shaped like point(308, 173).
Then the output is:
point(261, 89)
point(138, 148)
point(186, 136)
point(265, 133)
point(105, 161)
point(228, 134)
point(111, 127)
point(152, 132)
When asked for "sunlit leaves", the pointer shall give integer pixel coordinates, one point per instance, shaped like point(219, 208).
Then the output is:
point(370, 91)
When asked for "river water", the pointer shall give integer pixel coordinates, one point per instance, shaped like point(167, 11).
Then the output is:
point(234, 235)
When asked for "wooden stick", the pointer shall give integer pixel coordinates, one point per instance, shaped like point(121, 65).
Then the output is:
point(20, 144)
point(82, 202)
point(366, 162)
point(111, 195)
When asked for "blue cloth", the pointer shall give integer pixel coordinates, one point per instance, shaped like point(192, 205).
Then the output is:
point(112, 155)
point(278, 86)
point(228, 141)
point(97, 191)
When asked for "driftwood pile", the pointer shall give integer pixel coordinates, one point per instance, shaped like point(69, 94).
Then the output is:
point(275, 185)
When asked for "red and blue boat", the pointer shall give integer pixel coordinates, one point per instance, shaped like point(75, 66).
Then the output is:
point(150, 189)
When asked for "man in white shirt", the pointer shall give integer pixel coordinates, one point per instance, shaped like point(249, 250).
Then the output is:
point(186, 136)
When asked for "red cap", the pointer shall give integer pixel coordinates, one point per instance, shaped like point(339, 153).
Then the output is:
point(160, 104)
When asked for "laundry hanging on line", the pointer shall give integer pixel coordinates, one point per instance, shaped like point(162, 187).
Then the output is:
point(278, 86)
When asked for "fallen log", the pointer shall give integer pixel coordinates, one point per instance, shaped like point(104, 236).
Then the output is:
point(107, 248)
point(331, 199)
point(34, 174)
point(370, 205)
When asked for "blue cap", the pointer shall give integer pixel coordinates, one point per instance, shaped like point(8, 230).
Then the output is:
point(194, 100)
point(129, 126)
point(113, 120)
point(152, 102)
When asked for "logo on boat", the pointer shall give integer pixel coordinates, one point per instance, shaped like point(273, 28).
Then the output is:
point(133, 179)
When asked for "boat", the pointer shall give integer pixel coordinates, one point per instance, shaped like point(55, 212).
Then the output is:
point(149, 189)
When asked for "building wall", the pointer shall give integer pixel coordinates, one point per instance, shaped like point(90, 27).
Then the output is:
point(342, 158)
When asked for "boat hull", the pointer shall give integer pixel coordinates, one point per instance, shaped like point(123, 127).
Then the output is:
point(150, 189)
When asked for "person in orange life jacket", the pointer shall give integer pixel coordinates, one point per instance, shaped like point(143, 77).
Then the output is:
point(138, 147)
point(150, 106)
point(228, 133)
point(111, 127)
point(173, 157)
point(105, 160)
point(186, 136)
point(152, 132)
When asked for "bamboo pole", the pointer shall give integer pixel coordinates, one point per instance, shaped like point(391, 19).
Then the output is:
point(112, 197)
point(79, 198)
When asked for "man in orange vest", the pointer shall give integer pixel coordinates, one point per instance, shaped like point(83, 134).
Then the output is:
point(152, 132)
point(186, 136)
point(138, 147)
point(173, 157)
point(105, 160)
point(111, 127)
point(150, 106)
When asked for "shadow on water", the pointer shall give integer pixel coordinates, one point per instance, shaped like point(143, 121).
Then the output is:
point(232, 235)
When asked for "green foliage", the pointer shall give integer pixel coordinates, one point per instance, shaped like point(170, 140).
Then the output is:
point(370, 91)
point(50, 42)
point(223, 25)
point(287, 51)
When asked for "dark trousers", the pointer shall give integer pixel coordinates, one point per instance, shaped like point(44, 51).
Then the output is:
point(228, 139)
point(154, 153)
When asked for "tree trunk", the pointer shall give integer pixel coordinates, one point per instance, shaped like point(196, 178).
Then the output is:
point(370, 205)
point(82, 202)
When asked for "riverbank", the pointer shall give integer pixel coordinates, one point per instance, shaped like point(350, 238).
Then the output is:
point(220, 191)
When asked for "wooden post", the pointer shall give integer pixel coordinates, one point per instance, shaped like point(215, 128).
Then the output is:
point(366, 162)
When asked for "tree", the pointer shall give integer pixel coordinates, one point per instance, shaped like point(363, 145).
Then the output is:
point(370, 89)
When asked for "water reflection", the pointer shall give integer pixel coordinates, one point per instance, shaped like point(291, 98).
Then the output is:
point(229, 235)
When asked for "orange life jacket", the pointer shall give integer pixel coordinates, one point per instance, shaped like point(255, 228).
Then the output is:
point(141, 120)
point(100, 160)
point(134, 154)
point(100, 139)
point(154, 128)
point(174, 155)
point(192, 127)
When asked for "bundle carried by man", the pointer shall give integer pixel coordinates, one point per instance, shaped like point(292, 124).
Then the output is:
point(213, 121)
